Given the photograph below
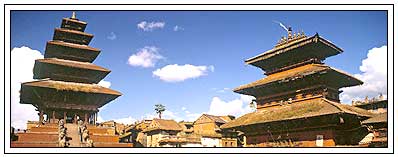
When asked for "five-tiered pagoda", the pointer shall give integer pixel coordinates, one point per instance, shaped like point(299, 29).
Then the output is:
point(66, 89)
point(298, 101)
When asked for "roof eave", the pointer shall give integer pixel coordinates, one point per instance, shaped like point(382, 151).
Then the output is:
point(314, 38)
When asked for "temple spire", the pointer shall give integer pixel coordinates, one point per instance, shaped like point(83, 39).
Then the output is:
point(73, 15)
point(289, 33)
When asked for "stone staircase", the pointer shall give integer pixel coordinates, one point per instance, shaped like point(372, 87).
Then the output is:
point(73, 135)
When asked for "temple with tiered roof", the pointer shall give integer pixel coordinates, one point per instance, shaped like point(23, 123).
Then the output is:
point(66, 93)
point(298, 101)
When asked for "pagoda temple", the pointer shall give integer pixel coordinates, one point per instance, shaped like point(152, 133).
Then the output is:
point(66, 93)
point(298, 101)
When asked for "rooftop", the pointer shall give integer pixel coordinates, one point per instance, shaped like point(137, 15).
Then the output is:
point(72, 45)
point(219, 119)
point(74, 64)
point(163, 124)
point(289, 45)
point(72, 86)
point(378, 118)
point(305, 109)
point(295, 73)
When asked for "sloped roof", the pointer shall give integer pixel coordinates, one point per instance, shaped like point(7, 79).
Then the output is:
point(378, 118)
point(163, 124)
point(294, 73)
point(74, 32)
point(294, 45)
point(181, 139)
point(72, 45)
point(371, 103)
point(72, 86)
point(125, 135)
point(75, 20)
point(218, 119)
point(305, 109)
point(74, 64)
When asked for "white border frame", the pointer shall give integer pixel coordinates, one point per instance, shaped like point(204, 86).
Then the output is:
point(390, 43)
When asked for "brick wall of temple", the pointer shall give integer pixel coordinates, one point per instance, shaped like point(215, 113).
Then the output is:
point(324, 138)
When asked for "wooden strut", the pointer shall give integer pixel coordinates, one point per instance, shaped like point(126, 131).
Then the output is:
point(53, 116)
point(41, 116)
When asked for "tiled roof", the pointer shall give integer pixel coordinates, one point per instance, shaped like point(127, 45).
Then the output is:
point(294, 73)
point(72, 86)
point(218, 119)
point(305, 109)
point(294, 45)
point(378, 118)
point(72, 45)
point(75, 64)
point(163, 124)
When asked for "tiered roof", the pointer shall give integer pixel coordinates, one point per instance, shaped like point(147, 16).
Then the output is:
point(70, 51)
point(295, 65)
point(292, 51)
point(296, 74)
point(67, 71)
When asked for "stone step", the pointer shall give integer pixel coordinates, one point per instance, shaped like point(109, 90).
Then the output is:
point(33, 144)
point(107, 144)
point(38, 137)
point(73, 135)
point(105, 138)
point(44, 129)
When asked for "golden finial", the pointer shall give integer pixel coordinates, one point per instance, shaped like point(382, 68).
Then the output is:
point(302, 33)
point(73, 15)
point(381, 97)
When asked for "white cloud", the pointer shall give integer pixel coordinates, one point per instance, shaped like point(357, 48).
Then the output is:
point(178, 73)
point(104, 83)
point(112, 36)
point(223, 90)
point(178, 28)
point(145, 57)
point(150, 26)
point(127, 121)
point(185, 115)
point(192, 116)
point(234, 107)
point(374, 76)
point(22, 62)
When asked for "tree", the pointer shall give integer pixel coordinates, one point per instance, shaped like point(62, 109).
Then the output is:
point(159, 108)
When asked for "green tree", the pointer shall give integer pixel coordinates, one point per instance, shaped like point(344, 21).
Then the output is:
point(159, 108)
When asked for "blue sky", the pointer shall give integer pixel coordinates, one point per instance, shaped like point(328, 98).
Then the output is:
point(219, 39)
